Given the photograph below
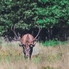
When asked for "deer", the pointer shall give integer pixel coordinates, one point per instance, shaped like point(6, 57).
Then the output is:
point(27, 42)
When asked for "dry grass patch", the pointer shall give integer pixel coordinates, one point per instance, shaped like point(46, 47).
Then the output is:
point(11, 57)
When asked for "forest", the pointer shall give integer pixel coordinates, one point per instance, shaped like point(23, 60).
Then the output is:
point(51, 15)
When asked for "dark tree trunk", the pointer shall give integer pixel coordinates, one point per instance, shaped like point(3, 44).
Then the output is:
point(48, 34)
point(65, 35)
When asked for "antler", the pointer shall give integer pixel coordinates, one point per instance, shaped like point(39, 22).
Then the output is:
point(38, 32)
point(17, 37)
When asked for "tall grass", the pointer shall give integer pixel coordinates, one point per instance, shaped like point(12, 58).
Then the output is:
point(54, 56)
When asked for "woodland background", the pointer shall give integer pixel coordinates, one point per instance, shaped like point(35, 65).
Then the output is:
point(51, 15)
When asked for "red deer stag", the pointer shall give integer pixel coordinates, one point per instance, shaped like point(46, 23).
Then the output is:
point(27, 42)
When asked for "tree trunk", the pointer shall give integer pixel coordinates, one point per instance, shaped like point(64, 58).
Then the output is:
point(48, 34)
point(65, 35)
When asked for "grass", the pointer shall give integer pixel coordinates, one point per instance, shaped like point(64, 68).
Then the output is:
point(44, 57)
point(50, 43)
point(54, 43)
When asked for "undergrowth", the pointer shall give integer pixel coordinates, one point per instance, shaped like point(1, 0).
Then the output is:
point(53, 42)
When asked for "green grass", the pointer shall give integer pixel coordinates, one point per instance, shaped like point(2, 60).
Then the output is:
point(48, 67)
point(54, 43)
point(50, 43)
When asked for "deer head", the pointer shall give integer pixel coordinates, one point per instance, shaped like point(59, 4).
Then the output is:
point(27, 41)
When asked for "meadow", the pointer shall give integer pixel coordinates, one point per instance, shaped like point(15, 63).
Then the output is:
point(48, 55)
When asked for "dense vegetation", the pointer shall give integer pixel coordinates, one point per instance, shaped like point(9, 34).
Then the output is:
point(51, 15)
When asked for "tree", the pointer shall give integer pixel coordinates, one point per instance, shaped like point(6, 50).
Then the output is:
point(27, 13)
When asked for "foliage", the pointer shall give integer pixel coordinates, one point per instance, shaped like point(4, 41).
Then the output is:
point(54, 43)
point(27, 13)
point(50, 43)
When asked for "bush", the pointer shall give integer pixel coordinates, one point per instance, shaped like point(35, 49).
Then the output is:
point(50, 43)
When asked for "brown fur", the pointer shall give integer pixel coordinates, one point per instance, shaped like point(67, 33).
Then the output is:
point(27, 39)
point(27, 44)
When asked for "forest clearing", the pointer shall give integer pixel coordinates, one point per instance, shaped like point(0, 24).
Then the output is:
point(26, 22)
